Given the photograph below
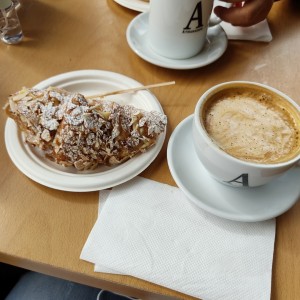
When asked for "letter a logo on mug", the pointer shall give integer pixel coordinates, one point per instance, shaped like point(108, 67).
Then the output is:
point(178, 28)
point(196, 17)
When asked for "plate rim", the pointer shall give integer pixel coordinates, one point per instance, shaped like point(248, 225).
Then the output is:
point(138, 5)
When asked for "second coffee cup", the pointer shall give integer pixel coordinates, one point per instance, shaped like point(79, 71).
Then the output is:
point(178, 28)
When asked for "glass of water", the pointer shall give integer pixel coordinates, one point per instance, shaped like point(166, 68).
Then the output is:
point(10, 27)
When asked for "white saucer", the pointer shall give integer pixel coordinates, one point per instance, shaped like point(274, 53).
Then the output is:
point(32, 162)
point(137, 33)
point(137, 5)
point(248, 205)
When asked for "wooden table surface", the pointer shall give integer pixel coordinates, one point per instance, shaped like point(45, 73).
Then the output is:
point(43, 229)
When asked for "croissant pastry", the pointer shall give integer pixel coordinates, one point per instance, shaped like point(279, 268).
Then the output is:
point(74, 131)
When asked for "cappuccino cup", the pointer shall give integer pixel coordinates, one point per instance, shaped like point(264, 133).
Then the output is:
point(178, 28)
point(246, 134)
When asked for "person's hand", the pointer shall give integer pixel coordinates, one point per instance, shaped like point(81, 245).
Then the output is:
point(250, 13)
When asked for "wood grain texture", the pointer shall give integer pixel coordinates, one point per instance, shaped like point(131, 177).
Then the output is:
point(43, 229)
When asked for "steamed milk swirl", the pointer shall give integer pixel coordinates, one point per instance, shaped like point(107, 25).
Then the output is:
point(253, 125)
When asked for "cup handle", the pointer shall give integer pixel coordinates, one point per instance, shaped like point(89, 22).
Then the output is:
point(214, 20)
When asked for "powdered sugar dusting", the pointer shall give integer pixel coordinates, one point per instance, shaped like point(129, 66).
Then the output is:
point(74, 132)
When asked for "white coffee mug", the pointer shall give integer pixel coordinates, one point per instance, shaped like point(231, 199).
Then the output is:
point(178, 28)
point(231, 170)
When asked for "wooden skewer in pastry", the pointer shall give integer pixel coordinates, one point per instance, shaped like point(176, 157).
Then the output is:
point(131, 90)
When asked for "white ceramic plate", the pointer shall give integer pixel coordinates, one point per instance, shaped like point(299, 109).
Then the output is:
point(138, 5)
point(239, 204)
point(32, 163)
point(137, 38)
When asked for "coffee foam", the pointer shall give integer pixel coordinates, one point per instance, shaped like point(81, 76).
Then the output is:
point(253, 125)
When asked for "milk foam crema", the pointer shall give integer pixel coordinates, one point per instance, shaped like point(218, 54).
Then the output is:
point(253, 125)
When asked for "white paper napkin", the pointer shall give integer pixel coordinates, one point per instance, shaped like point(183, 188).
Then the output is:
point(259, 32)
point(151, 231)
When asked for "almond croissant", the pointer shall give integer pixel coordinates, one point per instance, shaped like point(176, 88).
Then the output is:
point(75, 132)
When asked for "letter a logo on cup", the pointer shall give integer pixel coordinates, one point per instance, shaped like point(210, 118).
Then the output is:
point(241, 180)
point(195, 18)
